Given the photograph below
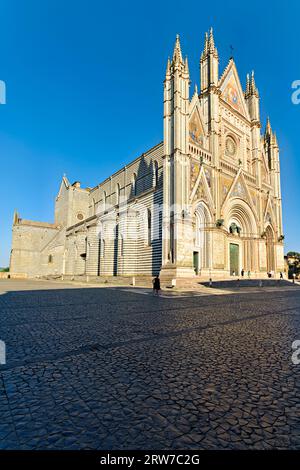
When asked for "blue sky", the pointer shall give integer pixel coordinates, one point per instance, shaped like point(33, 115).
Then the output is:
point(84, 89)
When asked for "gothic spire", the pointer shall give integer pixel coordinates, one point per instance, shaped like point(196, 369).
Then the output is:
point(247, 91)
point(177, 55)
point(252, 80)
point(16, 217)
point(211, 41)
point(253, 88)
point(209, 45)
point(168, 70)
point(206, 44)
point(205, 50)
point(209, 63)
point(268, 130)
point(186, 66)
point(274, 139)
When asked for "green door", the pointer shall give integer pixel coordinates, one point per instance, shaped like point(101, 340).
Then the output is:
point(196, 261)
point(234, 259)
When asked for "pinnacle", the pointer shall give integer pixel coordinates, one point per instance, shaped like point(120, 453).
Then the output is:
point(268, 127)
point(177, 55)
point(186, 66)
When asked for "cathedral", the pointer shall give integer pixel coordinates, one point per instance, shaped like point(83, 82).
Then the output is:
point(206, 201)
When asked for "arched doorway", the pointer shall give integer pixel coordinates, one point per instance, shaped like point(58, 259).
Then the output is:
point(202, 238)
point(241, 225)
point(270, 249)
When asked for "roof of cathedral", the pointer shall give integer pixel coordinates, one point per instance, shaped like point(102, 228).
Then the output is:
point(126, 166)
point(33, 223)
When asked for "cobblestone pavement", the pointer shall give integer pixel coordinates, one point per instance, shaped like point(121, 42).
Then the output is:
point(101, 368)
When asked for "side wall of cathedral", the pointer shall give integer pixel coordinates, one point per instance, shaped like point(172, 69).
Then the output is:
point(122, 235)
point(29, 254)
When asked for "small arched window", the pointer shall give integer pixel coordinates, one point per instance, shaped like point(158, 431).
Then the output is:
point(149, 227)
point(94, 206)
point(133, 185)
point(118, 194)
point(155, 174)
point(104, 200)
point(122, 245)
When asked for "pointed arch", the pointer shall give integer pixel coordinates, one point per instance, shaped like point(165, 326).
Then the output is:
point(238, 212)
point(202, 220)
point(239, 215)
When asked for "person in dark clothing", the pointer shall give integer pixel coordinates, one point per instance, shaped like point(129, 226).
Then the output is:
point(156, 285)
point(281, 275)
point(242, 272)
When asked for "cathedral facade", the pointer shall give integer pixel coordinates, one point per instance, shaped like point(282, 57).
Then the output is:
point(204, 202)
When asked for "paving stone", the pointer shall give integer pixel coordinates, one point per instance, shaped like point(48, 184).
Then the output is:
point(108, 369)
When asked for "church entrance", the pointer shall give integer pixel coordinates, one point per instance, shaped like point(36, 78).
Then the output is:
point(234, 259)
point(196, 261)
point(202, 239)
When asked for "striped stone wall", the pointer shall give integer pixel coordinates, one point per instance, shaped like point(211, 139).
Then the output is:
point(123, 235)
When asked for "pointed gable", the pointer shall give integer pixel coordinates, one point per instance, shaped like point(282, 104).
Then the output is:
point(231, 89)
point(201, 189)
point(265, 174)
point(239, 189)
point(269, 216)
point(63, 185)
point(196, 128)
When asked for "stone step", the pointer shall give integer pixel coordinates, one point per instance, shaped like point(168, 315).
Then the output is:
point(248, 283)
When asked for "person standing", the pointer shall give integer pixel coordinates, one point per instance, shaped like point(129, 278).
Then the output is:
point(156, 285)
point(242, 272)
point(281, 275)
